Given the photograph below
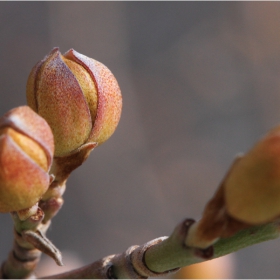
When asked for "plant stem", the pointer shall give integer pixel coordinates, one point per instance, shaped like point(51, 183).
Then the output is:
point(24, 257)
point(246, 238)
point(170, 253)
point(165, 255)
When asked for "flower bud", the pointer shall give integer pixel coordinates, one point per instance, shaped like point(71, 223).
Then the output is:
point(252, 188)
point(78, 96)
point(26, 151)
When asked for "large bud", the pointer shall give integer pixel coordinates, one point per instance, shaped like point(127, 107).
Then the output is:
point(248, 195)
point(26, 151)
point(78, 96)
point(252, 189)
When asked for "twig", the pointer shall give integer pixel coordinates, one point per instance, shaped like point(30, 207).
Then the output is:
point(173, 252)
point(24, 256)
point(166, 255)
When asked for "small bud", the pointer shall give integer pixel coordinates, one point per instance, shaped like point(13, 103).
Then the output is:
point(26, 213)
point(252, 188)
point(78, 96)
point(26, 151)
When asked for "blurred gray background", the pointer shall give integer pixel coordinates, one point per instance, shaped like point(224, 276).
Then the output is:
point(200, 83)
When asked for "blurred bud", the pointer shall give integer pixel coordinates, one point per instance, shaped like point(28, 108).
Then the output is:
point(26, 151)
point(252, 188)
point(248, 195)
point(78, 96)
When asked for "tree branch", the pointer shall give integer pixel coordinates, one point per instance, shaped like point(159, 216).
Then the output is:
point(167, 254)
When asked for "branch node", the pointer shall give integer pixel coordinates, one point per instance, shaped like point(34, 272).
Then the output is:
point(138, 260)
point(122, 266)
point(110, 272)
point(206, 253)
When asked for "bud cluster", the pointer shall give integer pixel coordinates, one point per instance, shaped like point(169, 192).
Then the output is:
point(74, 105)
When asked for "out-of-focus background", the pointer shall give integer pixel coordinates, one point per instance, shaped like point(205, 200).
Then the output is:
point(200, 83)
